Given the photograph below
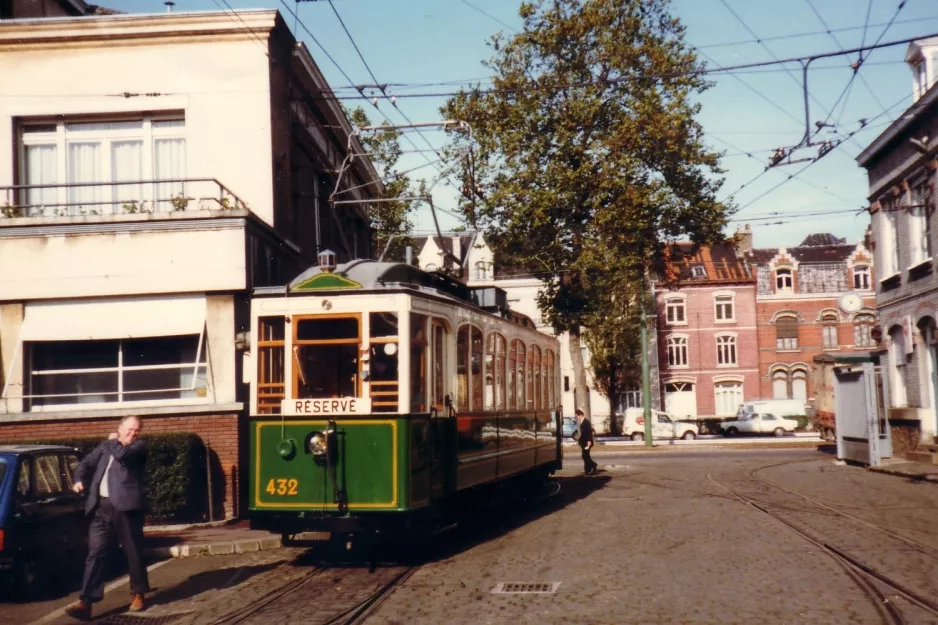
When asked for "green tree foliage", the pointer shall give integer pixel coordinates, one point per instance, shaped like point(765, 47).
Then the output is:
point(587, 159)
point(392, 218)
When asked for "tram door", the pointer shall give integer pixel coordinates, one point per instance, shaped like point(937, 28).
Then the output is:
point(442, 422)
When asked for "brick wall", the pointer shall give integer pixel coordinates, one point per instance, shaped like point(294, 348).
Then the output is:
point(810, 335)
point(218, 431)
point(701, 327)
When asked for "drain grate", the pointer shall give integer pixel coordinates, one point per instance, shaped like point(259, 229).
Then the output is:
point(528, 588)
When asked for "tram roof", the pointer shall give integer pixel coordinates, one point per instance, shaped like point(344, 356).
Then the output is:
point(367, 275)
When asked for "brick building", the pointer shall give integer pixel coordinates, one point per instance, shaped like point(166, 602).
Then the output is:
point(901, 164)
point(801, 311)
point(707, 346)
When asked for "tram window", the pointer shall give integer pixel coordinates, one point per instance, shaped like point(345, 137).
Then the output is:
point(383, 325)
point(326, 370)
point(512, 367)
point(270, 367)
point(476, 371)
point(327, 328)
point(551, 381)
point(490, 372)
point(462, 368)
point(418, 363)
point(439, 360)
point(536, 397)
point(519, 375)
point(499, 371)
point(529, 379)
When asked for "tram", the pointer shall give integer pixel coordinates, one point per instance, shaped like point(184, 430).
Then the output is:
point(381, 392)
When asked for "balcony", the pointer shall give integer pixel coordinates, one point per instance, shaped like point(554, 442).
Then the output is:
point(85, 199)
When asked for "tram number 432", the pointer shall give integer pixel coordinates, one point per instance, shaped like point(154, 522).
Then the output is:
point(282, 487)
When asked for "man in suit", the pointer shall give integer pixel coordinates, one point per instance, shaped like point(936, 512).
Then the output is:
point(586, 442)
point(113, 473)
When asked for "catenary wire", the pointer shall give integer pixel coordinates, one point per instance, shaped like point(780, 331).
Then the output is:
point(442, 171)
point(827, 30)
point(768, 49)
point(727, 69)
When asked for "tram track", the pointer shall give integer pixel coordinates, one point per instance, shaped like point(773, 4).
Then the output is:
point(323, 595)
point(914, 544)
point(866, 577)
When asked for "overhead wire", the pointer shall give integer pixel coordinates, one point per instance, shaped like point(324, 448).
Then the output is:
point(442, 172)
point(827, 30)
point(726, 69)
point(806, 182)
point(767, 48)
point(231, 11)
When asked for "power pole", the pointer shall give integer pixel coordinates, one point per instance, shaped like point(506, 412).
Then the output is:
point(646, 377)
point(613, 423)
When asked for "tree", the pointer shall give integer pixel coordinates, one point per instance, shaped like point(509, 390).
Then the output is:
point(587, 159)
point(390, 221)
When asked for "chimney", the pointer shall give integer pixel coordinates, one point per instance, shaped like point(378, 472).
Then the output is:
point(409, 255)
point(457, 248)
point(742, 239)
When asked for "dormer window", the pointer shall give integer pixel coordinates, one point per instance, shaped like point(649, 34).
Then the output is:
point(699, 271)
point(861, 278)
point(922, 57)
point(783, 281)
point(920, 76)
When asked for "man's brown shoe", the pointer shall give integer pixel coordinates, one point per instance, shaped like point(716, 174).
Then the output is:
point(79, 610)
point(137, 604)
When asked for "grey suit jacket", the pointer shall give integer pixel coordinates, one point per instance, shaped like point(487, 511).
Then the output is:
point(125, 479)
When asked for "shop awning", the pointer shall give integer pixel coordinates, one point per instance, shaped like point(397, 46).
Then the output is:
point(79, 320)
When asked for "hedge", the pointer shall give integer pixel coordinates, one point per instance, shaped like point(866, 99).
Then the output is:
point(175, 480)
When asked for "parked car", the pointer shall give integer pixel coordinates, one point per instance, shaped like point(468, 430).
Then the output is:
point(42, 526)
point(569, 427)
point(781, 407)
point(765, 423)
point(662, 426)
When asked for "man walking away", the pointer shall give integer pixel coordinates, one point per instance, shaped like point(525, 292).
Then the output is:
point(586, 442)
point(113, 473)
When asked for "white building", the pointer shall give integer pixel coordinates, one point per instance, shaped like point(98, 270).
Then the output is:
point(477, 267)
point(155, 169)
point(901, 164)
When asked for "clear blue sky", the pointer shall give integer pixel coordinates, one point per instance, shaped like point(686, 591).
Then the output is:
point(746, 115)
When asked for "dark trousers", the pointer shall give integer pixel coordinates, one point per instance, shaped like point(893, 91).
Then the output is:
point(588, 464)
point(108, 524)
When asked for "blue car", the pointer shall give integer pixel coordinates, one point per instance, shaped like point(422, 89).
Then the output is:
point(42, 523)
point(569, 427)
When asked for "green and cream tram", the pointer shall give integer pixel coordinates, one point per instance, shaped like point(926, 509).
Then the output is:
point(380, 390)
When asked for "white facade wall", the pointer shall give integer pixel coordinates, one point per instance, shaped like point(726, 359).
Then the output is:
point(221, 84)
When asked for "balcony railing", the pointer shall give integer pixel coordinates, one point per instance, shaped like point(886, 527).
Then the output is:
point(117, 198)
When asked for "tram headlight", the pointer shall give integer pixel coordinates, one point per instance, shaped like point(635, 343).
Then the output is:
point(317, 444)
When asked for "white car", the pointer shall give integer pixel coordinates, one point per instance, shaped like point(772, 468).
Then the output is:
point(662, 426)
point(765, 423)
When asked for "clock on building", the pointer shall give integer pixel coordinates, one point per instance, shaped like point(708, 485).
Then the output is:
point(850, 302)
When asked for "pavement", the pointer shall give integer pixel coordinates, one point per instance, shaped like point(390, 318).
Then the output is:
point(236, 536)
point(206, 539)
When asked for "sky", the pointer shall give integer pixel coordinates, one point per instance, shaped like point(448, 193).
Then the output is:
point(746, 114)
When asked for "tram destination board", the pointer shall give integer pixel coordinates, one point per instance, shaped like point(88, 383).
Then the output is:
point(326, 406)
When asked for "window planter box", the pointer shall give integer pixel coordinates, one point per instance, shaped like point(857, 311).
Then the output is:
point(924, 268)
point(890, 283)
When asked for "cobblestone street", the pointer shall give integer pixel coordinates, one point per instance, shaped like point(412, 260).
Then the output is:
point(737, 536)
point(653, 540)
